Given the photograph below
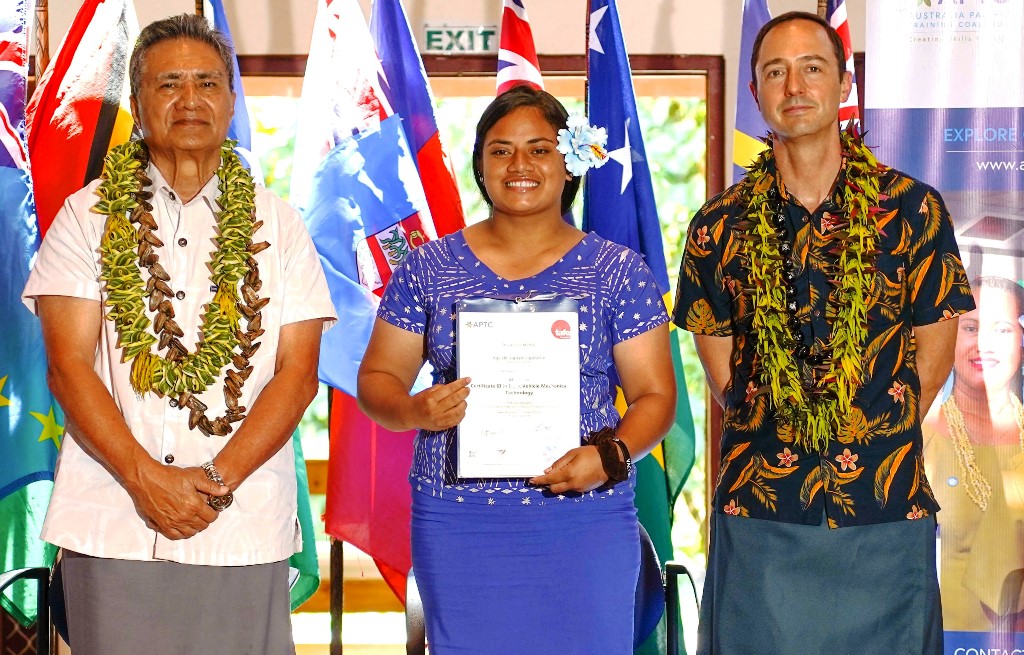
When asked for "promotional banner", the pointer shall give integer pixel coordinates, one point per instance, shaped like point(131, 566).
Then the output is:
point(946, 105)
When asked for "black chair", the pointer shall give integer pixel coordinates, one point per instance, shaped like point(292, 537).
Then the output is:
point(656, 590)
point(42, 577)
point(657, 595)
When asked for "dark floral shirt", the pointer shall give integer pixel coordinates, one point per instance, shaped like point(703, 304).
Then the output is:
point(872, 471)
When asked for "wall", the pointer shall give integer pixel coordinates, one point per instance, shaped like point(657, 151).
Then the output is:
point(697, 27)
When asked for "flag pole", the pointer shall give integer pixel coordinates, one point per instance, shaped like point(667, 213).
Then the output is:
point(199, 7)
point(586, 66)
point(42, 37)
point(823, 8)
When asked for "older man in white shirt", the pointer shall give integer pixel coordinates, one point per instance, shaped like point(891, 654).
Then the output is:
point(182, 308)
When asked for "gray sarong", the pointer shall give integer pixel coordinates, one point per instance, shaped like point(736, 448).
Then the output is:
point(782, 589)
point(120, 607)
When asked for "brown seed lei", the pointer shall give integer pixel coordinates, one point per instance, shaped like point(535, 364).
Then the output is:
point(129, 243)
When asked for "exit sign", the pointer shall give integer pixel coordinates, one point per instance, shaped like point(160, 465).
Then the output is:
point(461, 38)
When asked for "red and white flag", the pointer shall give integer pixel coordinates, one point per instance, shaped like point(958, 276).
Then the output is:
point(837, 17)
point(517, 57)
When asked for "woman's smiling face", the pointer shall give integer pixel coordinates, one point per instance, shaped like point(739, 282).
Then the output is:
point(988, 345)
point(523, 172)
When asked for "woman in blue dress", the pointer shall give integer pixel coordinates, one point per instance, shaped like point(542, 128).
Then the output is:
point(547, 564)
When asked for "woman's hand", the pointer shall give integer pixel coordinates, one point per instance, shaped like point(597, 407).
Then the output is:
point(579, 469)
point(440, 407)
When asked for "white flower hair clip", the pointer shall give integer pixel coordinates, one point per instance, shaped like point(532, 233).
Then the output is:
point(582, 144)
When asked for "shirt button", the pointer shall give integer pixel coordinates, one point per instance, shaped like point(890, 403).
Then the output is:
point(180, 295)
point(173, 197)
point(169, 459)
point(804, 219)
point(172, 402)
point(182, 242)
point(817, 313)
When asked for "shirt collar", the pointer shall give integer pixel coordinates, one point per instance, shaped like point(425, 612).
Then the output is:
point(207, 194)
point(832, 201)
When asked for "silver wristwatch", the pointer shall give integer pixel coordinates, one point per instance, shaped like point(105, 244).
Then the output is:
point(219, 503)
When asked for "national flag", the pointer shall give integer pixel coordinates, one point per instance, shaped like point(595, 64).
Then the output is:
point(31, 423)
point(405, 85)
point(838, 19)
point(517, 56)
point(305, 561)
point(619, 205)
point(357, 184)
point(80, 107)
point(240, 128)
point(750, 129)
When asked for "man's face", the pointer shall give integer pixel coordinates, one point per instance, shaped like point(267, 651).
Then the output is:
point(798, 85)
point(184, 103)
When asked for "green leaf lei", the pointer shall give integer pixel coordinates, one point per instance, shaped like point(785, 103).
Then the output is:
point(814, 401)
point(128, 244)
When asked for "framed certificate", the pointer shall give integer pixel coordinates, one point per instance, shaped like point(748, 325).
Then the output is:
point(523, 411)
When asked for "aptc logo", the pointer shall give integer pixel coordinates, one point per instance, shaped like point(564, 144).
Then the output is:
point(561, 330)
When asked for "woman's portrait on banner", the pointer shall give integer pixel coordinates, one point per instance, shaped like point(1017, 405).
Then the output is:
point(974, 456)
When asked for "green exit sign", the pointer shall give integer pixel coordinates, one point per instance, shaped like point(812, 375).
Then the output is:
point(461, 38)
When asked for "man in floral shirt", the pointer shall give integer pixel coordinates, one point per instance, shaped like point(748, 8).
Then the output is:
point(822, 291)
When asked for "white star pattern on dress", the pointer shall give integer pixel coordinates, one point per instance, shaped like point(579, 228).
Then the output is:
point(611, 286)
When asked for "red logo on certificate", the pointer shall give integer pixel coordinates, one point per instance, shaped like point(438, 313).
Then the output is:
point(560, 329)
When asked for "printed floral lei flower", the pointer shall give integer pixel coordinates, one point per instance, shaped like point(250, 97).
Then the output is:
point(582, 144)
point(816, 405)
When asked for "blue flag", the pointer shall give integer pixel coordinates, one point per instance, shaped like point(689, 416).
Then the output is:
point(619, 205)
point(31, 423)
point(750, 127)
point(404, 82)
point(240, 129)
point(362, 192)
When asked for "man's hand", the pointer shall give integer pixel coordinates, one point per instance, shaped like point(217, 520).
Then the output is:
point(580, 469)
point(172, 500)
point(440, 407)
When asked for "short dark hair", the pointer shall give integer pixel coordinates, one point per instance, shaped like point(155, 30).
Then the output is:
point(185, 26)
point(521, 96)
point(837, 41)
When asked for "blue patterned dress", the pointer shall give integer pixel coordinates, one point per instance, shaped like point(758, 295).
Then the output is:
point(504, 567)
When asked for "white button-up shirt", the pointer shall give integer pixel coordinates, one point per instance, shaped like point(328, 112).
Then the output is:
point(90, 512)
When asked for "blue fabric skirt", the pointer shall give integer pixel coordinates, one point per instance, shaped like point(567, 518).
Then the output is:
point(558, 578)
point(796, 589)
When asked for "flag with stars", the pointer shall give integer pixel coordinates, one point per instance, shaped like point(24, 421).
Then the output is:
point(619, 205)
point(517, 56)
point(31, 423)
point(849, 111)
point(750, 127)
